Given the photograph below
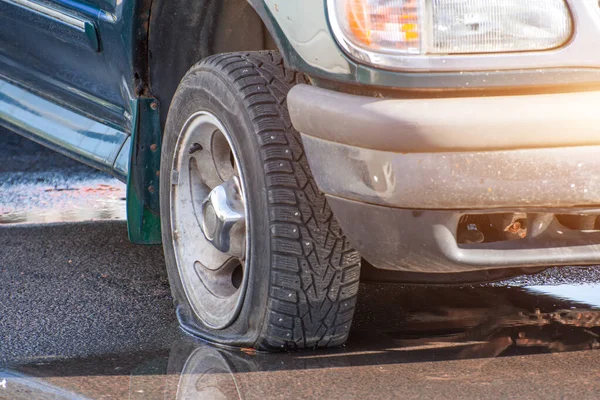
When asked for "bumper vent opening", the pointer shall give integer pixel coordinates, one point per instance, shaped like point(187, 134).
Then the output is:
point(499, 227)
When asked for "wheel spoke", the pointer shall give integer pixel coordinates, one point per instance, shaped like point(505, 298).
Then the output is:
point(202, 162)
point(211, 258)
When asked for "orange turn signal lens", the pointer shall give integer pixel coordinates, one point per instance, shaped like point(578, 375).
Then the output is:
point(358, 22)
point(385, 24)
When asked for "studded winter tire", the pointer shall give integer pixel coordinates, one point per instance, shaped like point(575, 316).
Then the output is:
point(255, 256)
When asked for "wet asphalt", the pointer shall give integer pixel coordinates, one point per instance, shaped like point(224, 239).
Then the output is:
point(66, 288)
point(86, 314)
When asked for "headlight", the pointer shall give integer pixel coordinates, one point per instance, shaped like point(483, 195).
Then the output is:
point(369, 28)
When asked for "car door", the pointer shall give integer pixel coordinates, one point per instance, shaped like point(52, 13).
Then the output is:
point(76, 53)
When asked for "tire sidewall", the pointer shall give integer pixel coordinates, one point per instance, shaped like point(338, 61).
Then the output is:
point(197, 92)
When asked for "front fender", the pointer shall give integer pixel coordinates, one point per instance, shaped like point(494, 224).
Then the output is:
point(301, 31)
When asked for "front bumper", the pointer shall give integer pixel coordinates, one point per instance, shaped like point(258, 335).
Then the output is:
point(385, 163)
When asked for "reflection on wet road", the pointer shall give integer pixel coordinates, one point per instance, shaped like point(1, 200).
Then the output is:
point(94, 200)
point(447, 342)
point(85, 314)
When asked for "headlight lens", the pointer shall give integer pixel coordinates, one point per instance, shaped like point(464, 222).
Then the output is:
point(421, 27)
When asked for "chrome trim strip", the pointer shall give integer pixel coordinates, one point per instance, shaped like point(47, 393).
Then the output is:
point(121, 164)
point(51, 12)
point(579, 52)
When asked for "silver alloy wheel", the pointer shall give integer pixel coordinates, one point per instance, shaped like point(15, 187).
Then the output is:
point(208, 220)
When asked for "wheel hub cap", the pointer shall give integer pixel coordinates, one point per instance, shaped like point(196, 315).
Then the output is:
point(223, 219)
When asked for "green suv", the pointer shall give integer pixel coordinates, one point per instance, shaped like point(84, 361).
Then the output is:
point(275, 146)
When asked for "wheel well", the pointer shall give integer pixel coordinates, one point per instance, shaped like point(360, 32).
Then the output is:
point(182, 32)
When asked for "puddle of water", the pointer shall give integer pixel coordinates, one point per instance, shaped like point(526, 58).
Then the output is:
point(588, 294)
point(374, 361)
point(417, 332)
